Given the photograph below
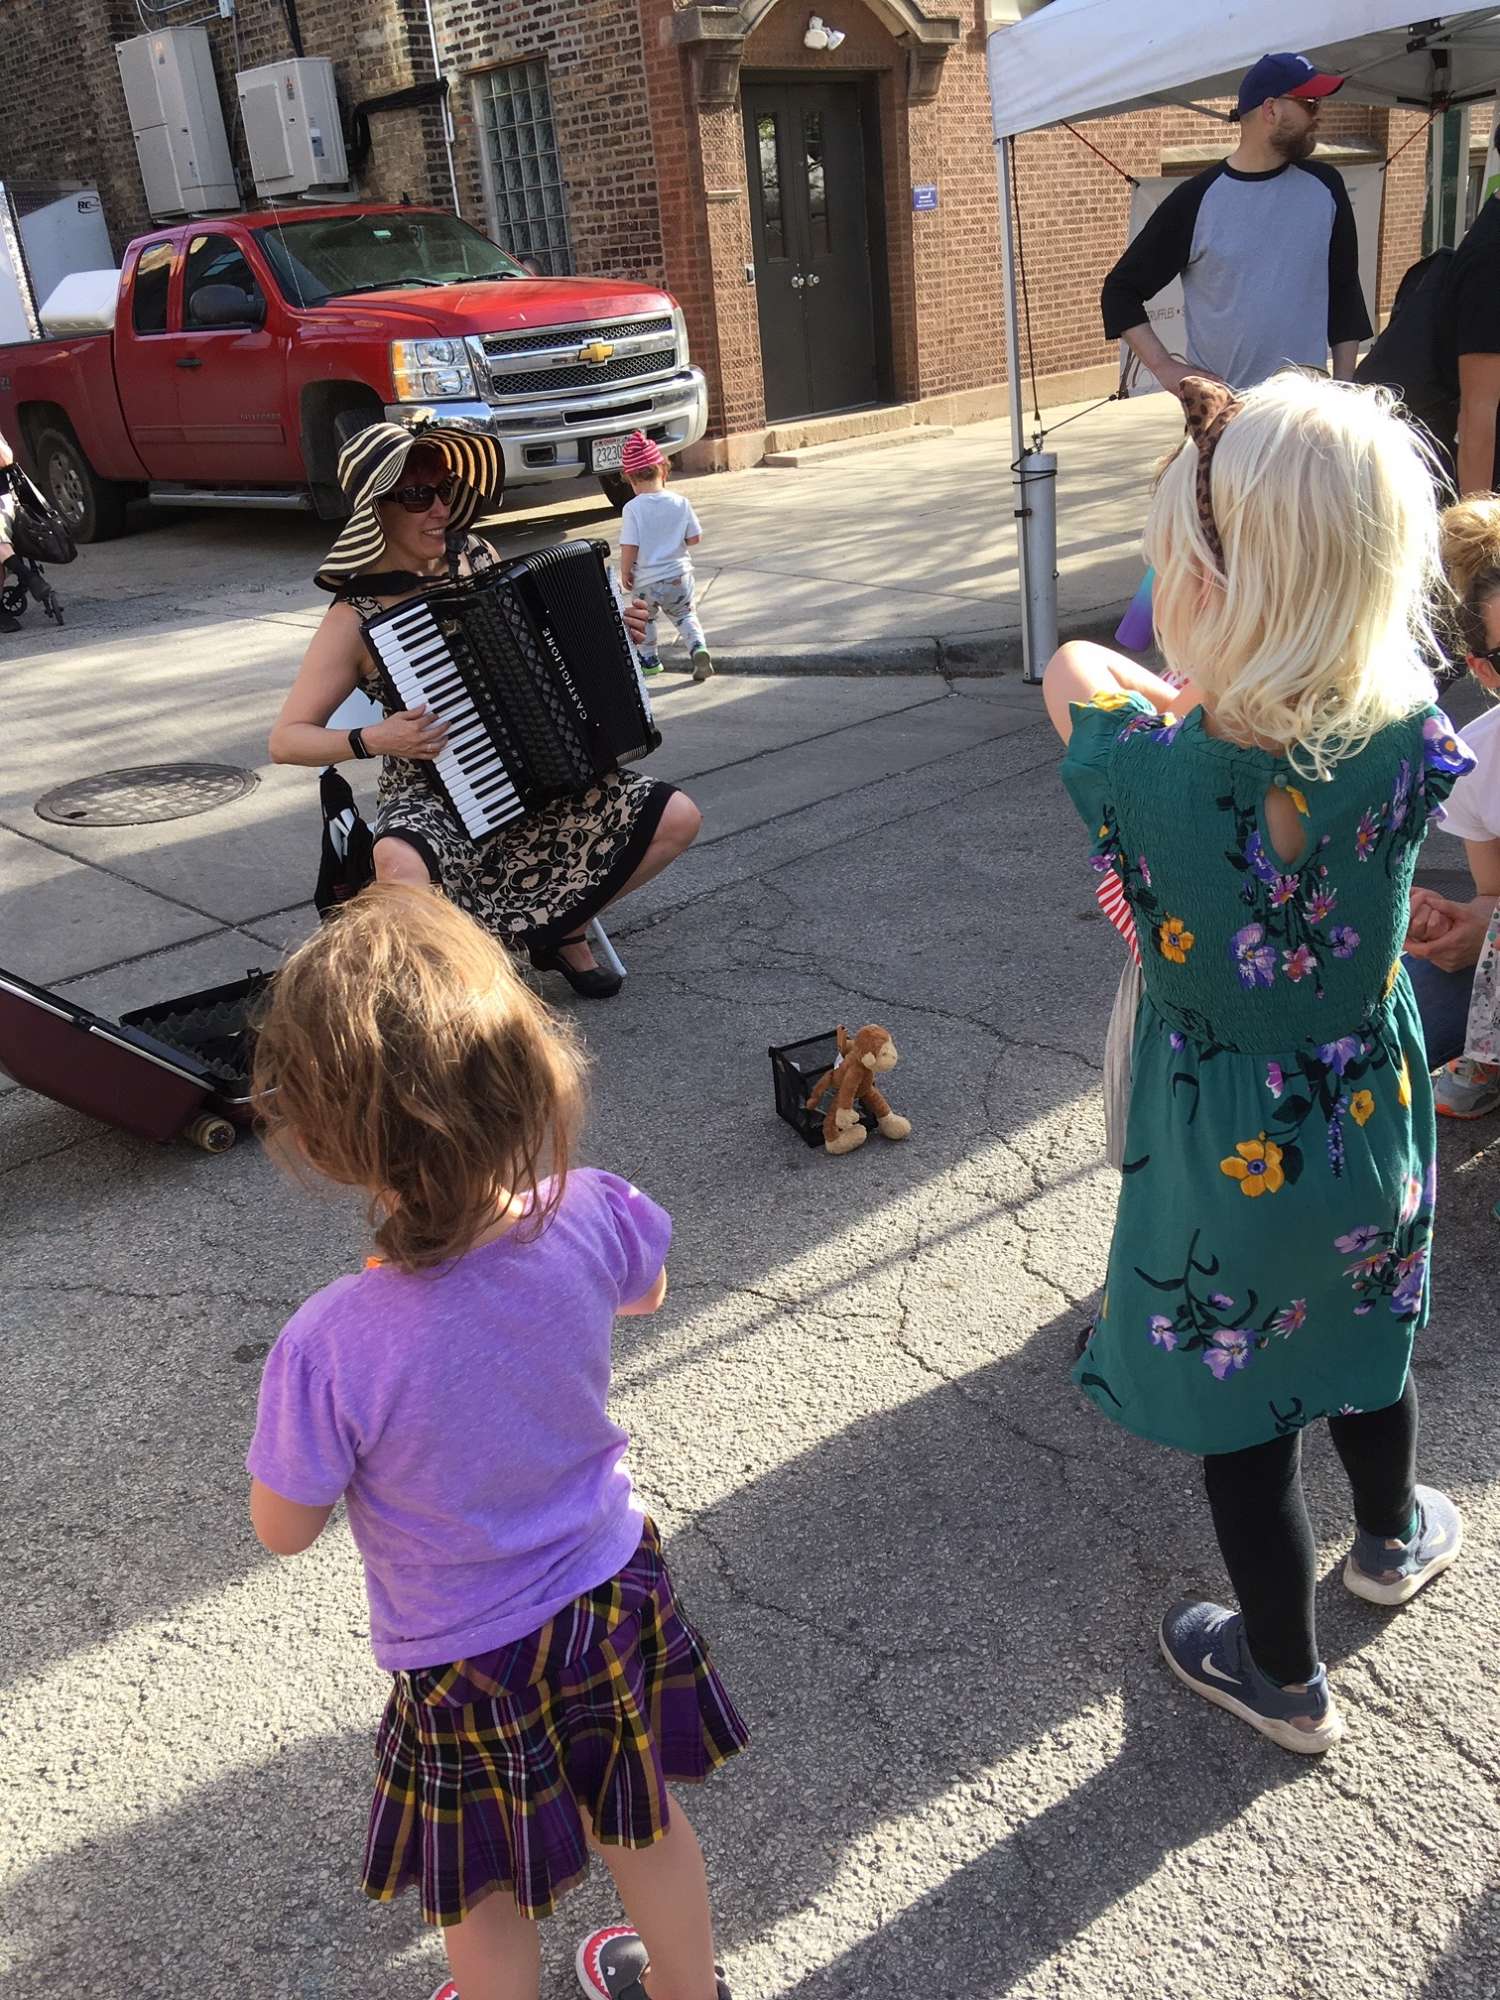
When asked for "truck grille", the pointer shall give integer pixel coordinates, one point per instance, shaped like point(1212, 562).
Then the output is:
point(581, 375)
point(499, 349)
point(572, 336)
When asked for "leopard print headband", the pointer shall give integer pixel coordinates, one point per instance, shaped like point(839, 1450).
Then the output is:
point(1208, 405)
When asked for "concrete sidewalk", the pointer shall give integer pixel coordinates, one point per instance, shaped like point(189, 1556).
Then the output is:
point(896, 557)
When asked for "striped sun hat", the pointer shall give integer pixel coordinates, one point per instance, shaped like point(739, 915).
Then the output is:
point(372, 464)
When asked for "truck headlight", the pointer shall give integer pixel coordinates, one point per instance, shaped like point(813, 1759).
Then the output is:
point(428, 371)
point(679, 330)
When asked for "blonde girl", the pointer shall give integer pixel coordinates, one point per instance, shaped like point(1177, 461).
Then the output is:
point(1271, 1251)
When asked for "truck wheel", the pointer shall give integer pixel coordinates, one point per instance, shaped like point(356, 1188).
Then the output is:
point(618, 490)
point(349, 423)
point(93, 508)
point(328, 495)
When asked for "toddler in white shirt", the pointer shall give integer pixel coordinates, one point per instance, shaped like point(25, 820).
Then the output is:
point(656, 533)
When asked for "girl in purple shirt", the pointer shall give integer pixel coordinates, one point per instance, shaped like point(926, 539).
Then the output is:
point(453, 1395)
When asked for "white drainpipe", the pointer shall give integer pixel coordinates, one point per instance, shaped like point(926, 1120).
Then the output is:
point(437, 64)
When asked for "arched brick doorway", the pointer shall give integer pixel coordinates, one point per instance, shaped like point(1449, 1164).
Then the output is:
point(842, 132)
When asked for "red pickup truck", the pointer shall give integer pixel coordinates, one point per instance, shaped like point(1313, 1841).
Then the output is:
point(246, 349)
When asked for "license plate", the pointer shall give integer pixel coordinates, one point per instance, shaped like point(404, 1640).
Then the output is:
point(607, 454)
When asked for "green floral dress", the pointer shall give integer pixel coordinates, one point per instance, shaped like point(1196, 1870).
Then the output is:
point(1270, 1256)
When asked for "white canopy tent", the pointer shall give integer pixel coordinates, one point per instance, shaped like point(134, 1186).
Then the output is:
point(1078, 59)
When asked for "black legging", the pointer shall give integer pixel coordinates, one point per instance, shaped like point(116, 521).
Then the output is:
point(1260, 1518)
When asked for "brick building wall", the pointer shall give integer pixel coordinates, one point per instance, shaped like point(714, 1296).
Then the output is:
point(596, 82)
point(656, 184)
point(63, 116)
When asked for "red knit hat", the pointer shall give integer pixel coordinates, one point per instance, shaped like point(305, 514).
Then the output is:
point(641, 454)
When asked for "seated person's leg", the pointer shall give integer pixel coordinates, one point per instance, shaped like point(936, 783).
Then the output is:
point(1443, 1002)
point(396, 860)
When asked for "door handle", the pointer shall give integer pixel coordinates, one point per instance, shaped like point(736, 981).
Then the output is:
point(797, 282)
point(189, 361)
point(813, 278)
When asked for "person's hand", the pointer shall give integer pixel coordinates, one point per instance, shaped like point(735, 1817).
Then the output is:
point(637, 618)
point(1432, 917)
point(1456, 946)
point(1172, 378)
point(415, 733)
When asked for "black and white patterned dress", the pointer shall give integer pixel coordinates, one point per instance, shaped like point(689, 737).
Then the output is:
point(540, 880)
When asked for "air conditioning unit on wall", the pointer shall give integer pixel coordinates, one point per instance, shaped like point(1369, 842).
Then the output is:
point(292, 130)
point(177, 122)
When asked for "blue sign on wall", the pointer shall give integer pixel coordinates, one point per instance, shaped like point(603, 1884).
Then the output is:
point(925, 195)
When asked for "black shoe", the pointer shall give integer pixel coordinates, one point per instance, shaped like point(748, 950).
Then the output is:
point(9, 624)
point(594, 984)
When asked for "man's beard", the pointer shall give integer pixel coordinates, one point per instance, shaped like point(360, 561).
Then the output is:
point(1295, 145)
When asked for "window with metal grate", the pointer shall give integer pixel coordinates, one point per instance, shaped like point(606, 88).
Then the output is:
point(514, 109)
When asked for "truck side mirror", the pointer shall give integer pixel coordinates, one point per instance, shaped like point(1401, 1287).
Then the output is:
point(225, 305)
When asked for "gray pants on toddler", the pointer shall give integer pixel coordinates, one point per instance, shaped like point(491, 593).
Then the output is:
point(674, 595)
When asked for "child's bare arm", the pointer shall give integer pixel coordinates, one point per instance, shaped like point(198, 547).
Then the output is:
point(285, 1527)
point(1080, 670)
point(628, 554)
point(648, 1302)
point(692, 540)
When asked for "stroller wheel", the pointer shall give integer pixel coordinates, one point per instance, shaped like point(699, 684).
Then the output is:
point(13, 600)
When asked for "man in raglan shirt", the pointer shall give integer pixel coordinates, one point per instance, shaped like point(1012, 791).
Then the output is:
point(1264, 243)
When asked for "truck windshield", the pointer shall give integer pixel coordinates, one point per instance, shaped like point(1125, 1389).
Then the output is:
point(332, 255)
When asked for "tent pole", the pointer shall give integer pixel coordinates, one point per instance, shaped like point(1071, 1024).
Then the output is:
point(1030, 559)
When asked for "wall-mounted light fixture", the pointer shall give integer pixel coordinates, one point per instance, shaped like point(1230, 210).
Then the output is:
point(820, 36)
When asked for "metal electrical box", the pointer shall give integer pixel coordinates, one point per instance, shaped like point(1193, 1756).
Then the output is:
point(291, 114)
point(177, 121)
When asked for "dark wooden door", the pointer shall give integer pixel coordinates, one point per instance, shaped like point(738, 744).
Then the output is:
point(810, 215)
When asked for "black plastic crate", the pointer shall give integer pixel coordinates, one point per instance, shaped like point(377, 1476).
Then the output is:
point(795, 1068)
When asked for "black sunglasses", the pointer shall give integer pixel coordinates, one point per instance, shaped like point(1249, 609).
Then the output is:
point(417, 499)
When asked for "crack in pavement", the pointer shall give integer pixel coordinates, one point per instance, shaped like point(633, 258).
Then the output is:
point(765, 877)
point(137, 1295)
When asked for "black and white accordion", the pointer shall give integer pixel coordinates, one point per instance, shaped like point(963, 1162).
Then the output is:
point(531, 667)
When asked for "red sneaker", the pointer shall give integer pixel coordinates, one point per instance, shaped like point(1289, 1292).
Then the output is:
point(447, 1991)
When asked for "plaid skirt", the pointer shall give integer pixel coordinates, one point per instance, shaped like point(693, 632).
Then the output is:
point(487, 1768)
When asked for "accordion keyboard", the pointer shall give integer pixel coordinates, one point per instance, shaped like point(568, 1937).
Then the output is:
point(418, 659)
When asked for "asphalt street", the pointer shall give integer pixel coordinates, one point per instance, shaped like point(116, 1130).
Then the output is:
point(930, 1574)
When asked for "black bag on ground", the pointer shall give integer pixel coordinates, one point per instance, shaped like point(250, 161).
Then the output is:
point(1414, 353)
point(37, 532)
point(348, 858)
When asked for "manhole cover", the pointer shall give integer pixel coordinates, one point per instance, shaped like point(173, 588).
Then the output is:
point(149, 792)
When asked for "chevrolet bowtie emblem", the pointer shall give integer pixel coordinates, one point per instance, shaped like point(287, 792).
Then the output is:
point(596, 353)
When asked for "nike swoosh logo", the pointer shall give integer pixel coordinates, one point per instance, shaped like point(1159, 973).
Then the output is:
point(1208, 1667)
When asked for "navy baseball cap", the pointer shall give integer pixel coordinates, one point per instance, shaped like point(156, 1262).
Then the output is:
point(1284, 76)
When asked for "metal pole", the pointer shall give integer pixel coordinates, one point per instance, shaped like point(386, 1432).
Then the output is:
point(1034, 473)
point(1004, 156)
point(437, 70)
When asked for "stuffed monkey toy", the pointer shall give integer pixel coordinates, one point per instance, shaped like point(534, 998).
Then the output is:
point(862, 1058)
